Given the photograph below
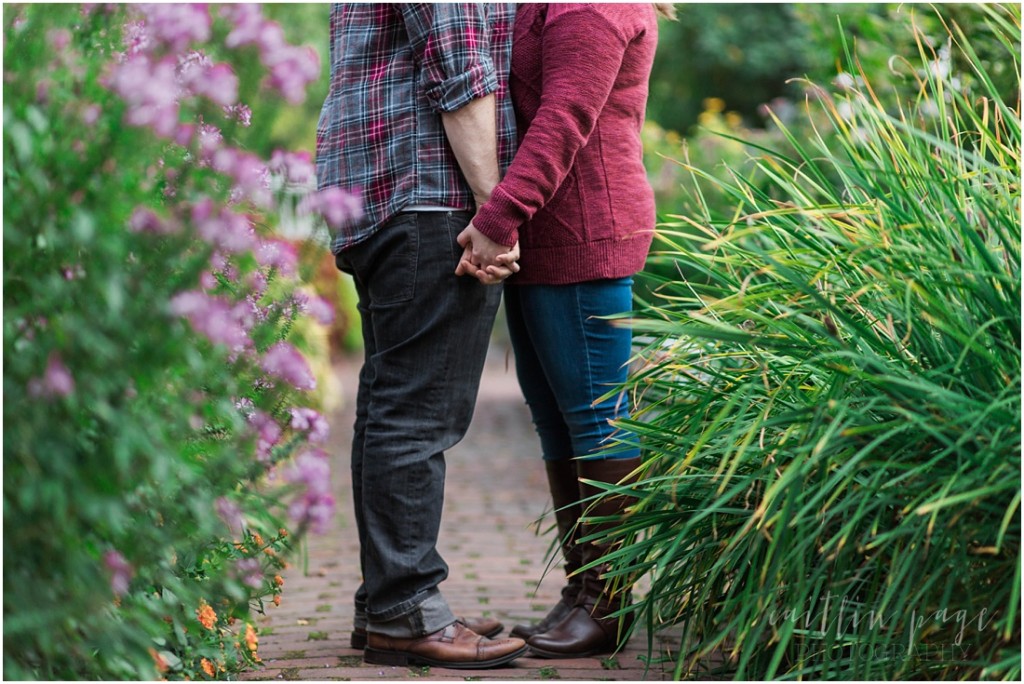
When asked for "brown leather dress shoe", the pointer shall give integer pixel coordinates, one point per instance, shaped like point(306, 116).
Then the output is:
point(485, 626)
point(456, 646)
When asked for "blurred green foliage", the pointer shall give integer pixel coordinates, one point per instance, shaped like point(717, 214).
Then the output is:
point(143, 527)
point(277, 124)
point(741, 54)
point(747, 55)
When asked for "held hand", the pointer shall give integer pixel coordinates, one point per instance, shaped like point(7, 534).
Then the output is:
point(490, 275)
point(467, 267)
point(484, 259)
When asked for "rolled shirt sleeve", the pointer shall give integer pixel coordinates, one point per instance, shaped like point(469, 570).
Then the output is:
point(452, 43)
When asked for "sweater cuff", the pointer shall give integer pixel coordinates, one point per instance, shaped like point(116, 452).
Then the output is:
point(499, 219)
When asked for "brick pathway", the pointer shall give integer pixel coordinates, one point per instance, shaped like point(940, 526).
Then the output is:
point(496, 491)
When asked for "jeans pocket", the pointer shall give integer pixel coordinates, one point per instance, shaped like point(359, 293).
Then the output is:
point(385, 264)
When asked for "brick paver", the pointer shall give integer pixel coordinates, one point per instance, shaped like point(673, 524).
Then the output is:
point(496, 492)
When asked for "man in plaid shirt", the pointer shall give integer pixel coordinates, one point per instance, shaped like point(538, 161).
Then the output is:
point(418, 121)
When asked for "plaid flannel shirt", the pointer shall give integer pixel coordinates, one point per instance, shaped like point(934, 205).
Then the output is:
point(394, 69)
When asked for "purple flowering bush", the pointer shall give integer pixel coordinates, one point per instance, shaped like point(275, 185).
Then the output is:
point(162, 449)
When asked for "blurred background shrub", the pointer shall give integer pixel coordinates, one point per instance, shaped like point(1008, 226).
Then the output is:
point(160, 422)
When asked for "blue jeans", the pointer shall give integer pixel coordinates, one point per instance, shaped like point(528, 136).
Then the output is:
point(425, 335)
point(567, 358)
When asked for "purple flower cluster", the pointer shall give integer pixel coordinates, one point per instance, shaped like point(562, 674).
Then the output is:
point(154, 82)
point(294, 167)
point(221, 321)
point(145, 220)
point(223, 228)
point(177, 25)
point(268, 434)
point(278, 254)
point(250, 571)
point(337, 206)
point(286, 362)
point(292, 68)
point(55, 382)
point(120, 570)
point(315, 505)
point(216, 82)
point(308, 420)
point(319, 309)
point(240, 113)
point(230, 513)
point(149, 87)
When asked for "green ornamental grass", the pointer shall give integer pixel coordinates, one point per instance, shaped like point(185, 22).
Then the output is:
point(830, 402)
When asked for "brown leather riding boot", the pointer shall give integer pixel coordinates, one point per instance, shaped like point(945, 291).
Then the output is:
point(565, 495)
point(587, 629)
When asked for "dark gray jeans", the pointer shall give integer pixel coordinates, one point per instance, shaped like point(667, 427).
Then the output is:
point(425, 333)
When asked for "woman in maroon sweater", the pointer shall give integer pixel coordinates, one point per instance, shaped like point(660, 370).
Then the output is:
point(577, 200)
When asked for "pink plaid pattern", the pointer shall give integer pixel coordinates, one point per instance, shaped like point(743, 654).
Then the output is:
point(394, 69)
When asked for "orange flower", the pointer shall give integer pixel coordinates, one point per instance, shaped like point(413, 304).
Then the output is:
point(282, 533)
point(278, 580)
point(250, 637)
point(206, 616)
point(257, 538)
point(207, 667)
point(277, 600)
point(158, 660)
point(269, 551)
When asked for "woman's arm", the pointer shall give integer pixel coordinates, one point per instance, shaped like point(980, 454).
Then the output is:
point(582, 52)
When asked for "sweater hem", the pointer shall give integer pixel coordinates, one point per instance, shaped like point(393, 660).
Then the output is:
point(568, 264)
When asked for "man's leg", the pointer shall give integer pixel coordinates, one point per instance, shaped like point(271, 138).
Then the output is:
point(358, 438)
point(430, 330)
point(488, 627)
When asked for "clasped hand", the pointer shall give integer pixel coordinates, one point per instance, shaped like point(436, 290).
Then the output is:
point(485, 259)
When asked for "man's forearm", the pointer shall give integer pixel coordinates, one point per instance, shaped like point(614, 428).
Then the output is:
point(471, 133)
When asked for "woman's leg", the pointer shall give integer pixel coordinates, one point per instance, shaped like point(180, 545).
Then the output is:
point(567, 358)
point(574, 357)
point(556, 447)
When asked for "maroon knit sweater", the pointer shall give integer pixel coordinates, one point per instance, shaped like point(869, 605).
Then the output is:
point(576, 195)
